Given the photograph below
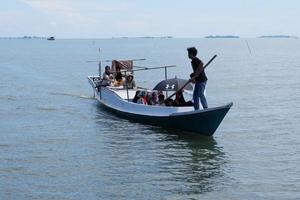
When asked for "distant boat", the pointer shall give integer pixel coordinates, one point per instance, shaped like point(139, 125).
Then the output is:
point(51, 38)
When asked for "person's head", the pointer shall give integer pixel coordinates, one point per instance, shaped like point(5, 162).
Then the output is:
point(107, 69)
point(149, 95)
point(161, 97)
point(142, 94)
point(154, 96)
point(179, 94)
point(137, 93)
point(192, 52)
point(129, 77)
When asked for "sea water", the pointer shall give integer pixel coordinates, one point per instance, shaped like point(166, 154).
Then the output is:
point(57, 143)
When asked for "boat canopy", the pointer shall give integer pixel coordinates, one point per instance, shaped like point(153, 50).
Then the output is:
point(122, 64)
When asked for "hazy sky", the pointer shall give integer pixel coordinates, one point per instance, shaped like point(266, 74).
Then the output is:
point(178, 18)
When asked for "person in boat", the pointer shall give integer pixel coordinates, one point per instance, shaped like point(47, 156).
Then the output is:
point(198, 77)
point(180, 101)
point(153, 99)
point(142, 98)
point(129, 83)
point(107, 76)
point(118, 77)
point(136, 96)
point(161, 99)
point(169, 102)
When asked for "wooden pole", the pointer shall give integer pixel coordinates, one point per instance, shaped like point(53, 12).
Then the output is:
point(193, 77)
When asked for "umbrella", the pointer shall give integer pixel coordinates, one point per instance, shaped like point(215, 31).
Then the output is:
point(173, 84)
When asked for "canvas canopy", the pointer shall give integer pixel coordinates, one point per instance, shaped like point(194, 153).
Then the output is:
point(122, 64)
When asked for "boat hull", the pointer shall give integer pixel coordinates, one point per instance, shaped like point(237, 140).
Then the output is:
point(204, 122)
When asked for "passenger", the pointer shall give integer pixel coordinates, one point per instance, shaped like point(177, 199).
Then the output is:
point(161, 100)
point(180, 101)
point(148, 97)
point(129, 82)
point(118, 77)
point(136, 96)
point(153, 99)
point(107, 77)
point(169, 102)
point(142, 98)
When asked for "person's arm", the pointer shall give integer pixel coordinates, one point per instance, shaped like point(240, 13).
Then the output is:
point(105, 77)
point(133, 84)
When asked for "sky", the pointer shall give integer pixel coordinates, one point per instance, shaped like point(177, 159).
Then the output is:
point(138, 18)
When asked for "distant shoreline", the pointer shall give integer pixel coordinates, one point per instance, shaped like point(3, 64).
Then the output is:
point(278, 36)
point(221, 36)
point(160, 37)
point(25, 37)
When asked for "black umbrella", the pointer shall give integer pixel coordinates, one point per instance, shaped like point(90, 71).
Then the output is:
point(173, 84)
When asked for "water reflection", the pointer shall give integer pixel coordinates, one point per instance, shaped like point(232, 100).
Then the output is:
point(173, 162)
point(195, 161)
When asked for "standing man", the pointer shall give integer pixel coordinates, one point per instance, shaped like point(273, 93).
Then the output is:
point(198, 77)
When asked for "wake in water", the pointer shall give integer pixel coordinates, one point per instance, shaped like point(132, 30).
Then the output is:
point(46, 109)
point(9, 98)
point(73, 95)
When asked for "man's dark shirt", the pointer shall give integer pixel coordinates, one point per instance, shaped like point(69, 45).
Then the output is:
point(195, 64)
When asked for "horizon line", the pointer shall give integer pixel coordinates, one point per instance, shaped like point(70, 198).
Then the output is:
point(157, 37)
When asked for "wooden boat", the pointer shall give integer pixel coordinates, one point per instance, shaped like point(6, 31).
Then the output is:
point(119, 101)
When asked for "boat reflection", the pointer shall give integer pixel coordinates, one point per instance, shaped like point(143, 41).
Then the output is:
point(197, 162)
point(175, 161)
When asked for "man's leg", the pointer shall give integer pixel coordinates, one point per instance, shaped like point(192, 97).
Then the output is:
point(197, 91)
point(202, 96)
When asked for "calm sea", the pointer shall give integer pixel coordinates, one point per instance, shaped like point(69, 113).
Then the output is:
point(57, 143)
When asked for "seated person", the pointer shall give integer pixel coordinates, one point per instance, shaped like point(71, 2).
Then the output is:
point(107, 77)
point(118, 77)
point(136, 96)
point(129, 82)
point(169, 102)
point(148, 97)
point(153, 98)
point(142, 98)
point(180, 101)
point(161, 100)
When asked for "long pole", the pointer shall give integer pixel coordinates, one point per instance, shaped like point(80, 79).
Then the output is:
point(248, 47)
point(126, 86)
point(140, 59)
point(150, 68)
point(100, 72)
point(99, 88)
point(193, 77)
point(166, 77)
